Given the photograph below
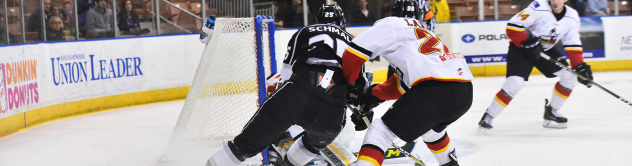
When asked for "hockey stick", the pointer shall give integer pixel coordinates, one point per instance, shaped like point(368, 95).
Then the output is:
point(584, 78)
point(366, 120)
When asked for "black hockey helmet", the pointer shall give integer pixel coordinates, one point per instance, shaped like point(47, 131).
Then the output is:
point(406, 8)
point(331, 14)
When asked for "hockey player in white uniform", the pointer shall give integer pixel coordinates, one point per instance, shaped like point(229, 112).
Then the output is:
point(428, 18)
point(431, 84)
point(314, 82)
point(534, 30)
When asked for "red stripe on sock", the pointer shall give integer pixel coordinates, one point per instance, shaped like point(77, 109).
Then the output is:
point(439, 145)
point(561, 90)
point(373, 153)
point(503, 97)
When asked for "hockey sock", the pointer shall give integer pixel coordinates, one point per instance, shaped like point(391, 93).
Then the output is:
point(370, 155)
point(301, 153)
point(439, 145)
point(377, 139)
point(510, 89)
point(224, 156)
point(563, 88)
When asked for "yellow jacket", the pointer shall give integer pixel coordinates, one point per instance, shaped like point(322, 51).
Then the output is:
point(441, 10)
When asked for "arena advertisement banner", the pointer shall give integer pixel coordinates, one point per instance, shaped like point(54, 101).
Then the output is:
point(618, 37)
point(21, 81)
point(487, 42)
point(94, 69)
point(592, 36)
point(3, 99)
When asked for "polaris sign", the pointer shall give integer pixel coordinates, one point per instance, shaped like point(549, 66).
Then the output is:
point(469, 38)
point(493, 37)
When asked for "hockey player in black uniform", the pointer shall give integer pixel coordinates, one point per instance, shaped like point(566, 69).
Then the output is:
point(312, 96)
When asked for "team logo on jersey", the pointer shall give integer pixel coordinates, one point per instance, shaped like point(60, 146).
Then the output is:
point(468, 38)
point(523, 16)
point(536, 4)
point(460, 71)
point(548, 41)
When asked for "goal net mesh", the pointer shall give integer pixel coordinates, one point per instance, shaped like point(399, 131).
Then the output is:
point(224, 93)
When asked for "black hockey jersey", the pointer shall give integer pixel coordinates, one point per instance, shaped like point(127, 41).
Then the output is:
point(306, 37)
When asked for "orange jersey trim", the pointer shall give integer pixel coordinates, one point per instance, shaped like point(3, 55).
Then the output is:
point(439, 79)
point(515, 29)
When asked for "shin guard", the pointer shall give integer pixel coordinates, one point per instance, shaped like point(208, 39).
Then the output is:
point(224, 156)
point(510, 89)
point(301, 153)
point(439, 145)
point(563, 88)
point(377, 139)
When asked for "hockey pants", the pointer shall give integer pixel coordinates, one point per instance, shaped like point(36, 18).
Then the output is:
point(426, 109)
point(319, 111)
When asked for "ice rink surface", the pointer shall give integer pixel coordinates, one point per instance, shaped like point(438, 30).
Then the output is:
point(599, 132)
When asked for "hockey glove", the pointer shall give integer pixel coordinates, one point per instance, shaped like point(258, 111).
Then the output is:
point(358, 120)
point(533, 47)
point(355, 92)
point(583, 69)
point(207, 29)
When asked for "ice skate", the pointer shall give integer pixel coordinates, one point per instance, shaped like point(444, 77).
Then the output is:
point(485, 124)
point(453, 160)
point(552, 119)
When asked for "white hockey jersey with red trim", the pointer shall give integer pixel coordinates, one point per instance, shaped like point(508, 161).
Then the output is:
point(538, 20)
point(415, 53)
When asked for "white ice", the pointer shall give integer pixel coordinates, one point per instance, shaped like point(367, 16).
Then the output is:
point(599, 132)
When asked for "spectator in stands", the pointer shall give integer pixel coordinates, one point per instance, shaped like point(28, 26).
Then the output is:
point(363, 16)
point(113, 9)
point(55, 10)
point(278, 20)
point(35, 21)
point(128, 20)
point(66, 11)
point(294, 17)
point(55, 30)
point(577, 5)
point(99, 21)
point(441, 10)
point(597, 8)
point(3, 32)
point(85, 5)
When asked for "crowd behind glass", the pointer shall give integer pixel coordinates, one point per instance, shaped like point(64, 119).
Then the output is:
point(28, 21)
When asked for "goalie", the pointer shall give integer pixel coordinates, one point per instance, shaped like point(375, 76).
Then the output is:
point(314, 82)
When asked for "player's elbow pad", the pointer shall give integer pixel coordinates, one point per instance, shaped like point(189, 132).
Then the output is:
point(205, 34)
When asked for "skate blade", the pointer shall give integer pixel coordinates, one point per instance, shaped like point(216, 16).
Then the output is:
point(484, 131)
point(553, 124)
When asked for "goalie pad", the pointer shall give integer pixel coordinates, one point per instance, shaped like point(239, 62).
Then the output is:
point(337, 154)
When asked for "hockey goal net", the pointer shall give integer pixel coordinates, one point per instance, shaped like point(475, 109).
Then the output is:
point(229, 85)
